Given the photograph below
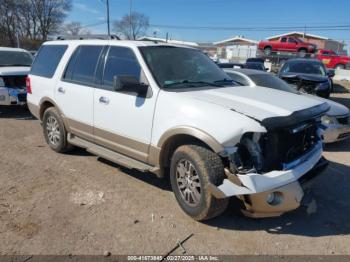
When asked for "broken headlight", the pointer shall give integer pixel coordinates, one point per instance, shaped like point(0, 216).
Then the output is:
point(328, 120)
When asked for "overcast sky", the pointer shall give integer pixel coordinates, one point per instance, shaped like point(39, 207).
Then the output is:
point(222, 13)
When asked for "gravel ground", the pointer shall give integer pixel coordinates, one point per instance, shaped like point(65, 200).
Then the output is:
point(79, 204)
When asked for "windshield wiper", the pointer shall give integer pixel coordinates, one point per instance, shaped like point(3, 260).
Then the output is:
point(14, 65)
point(227, 81)
point(189, 82)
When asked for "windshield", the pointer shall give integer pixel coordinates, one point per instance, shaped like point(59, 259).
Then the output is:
point(273, 82)
point(314, 68)
point(15, 58)
point(178, 67)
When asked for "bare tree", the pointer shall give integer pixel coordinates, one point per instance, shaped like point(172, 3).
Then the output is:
point(31, 20)
point(132, 26)
point(74, 28)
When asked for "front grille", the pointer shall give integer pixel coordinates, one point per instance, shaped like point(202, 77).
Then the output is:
point(284, 146)
point(343, 120)
point(22, 97)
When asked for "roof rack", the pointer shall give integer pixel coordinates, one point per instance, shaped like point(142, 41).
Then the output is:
point(84, 37)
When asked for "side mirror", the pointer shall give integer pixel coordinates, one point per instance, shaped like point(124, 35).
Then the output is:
point(331, 73)
point(129, 84)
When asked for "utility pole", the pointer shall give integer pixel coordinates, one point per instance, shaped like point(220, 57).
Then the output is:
point(108, 23)
point(130, 20)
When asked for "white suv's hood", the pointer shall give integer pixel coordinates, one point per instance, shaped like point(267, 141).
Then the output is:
point(257, 102)
point(14, 70)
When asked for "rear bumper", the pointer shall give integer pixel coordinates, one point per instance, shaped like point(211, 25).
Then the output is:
point(255, 189)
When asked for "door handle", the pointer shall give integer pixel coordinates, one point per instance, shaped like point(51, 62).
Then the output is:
point(104, 100)
point(61, 90)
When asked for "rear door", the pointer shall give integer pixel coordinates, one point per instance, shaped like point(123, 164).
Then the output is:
point(74, 91)
point(122, 119)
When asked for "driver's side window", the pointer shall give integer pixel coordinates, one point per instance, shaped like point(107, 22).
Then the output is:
point(284, 40)
point(121, 61)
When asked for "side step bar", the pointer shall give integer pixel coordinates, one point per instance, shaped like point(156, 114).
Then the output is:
point(110, 155)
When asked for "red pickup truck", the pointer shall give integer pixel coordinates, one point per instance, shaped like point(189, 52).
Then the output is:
point(332, 60)
point(287, 44)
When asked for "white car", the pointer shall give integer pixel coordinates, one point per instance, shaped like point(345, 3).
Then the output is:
point(14, 67)
point(336, 120)
point(171, 111)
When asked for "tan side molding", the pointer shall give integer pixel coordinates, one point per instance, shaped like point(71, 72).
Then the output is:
point(191, 131)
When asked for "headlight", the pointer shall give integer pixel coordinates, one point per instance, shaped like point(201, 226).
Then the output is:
point(328, 120)
point(323, 86)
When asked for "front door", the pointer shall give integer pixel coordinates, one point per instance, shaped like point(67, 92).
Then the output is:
point(122, 119)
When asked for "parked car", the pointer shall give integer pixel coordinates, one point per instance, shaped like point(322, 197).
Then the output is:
point(230, 65)
point(308, 75)
point(332, 60)
point(171, 111)
point(336, 120)
point(14, 67)
point(249, 65)
point(287, 44)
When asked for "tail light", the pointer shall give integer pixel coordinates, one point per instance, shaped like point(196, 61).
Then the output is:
point(28, 85)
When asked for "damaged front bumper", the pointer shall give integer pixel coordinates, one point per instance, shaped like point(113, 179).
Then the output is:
point(12, 96)
point(336, 132)
point(275, 192)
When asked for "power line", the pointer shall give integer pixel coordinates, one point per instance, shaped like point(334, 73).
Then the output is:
point(279, 28)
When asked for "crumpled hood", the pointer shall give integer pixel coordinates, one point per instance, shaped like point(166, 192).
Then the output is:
point(256, 102)
point(14, 70)
point(306, 77)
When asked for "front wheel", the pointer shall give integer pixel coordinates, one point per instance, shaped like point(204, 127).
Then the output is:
point(192, 169)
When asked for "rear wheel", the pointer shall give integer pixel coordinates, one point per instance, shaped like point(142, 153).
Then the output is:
point(267, 51)
point(55, 132)
point(302, 52)
point(192, 169)
point(340, 66)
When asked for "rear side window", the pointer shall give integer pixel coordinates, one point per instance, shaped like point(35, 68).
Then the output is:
point(47, 60)
point(121, 61)
point(82, 65)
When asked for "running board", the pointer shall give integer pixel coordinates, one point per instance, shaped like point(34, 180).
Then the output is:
point(110, 155)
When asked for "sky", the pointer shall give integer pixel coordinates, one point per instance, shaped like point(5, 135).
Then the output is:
point(221, 13)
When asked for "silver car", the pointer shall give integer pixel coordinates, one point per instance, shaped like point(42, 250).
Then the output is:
point(337, 120)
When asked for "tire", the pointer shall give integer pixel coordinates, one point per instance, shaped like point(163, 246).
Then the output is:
point(267, 51)
point(200, 167)
point(57, 139)
point(340, 66)
point(302, 53)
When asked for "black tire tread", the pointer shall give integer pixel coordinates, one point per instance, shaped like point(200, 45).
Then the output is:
point(64, 146)
point(211, 167)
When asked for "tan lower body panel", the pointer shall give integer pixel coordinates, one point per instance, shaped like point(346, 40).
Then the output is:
point(290, 197)
point(121, 144)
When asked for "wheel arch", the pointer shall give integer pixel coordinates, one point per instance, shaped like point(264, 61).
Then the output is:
point(44, 104)
point(179, 136)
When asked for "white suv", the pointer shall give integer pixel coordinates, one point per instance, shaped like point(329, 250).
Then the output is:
point(171, 111)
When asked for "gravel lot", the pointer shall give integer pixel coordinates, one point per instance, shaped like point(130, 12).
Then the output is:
point(79, 204)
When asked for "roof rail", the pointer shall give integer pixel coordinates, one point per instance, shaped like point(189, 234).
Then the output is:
point(84, 37)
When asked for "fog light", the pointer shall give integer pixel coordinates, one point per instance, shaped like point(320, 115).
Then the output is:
point(274, 198)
